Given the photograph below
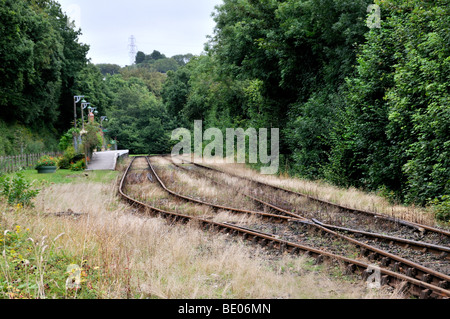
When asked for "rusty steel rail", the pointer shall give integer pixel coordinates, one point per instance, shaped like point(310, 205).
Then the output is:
point(410, 285)
point(267, 216)
point(442, 251)
point(420, 227)
point(386, 259)
point(264, 203)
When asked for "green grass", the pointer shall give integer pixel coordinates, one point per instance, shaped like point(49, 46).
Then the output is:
point(62, 176)
point(29, 271)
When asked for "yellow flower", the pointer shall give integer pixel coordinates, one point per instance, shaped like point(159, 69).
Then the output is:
point(17, 229)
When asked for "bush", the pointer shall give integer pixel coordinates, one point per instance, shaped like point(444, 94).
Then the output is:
point(78, 166)
point(67, 139)
point(441, 208)
point(17, 190)
point(63, 162)
point(70, 156)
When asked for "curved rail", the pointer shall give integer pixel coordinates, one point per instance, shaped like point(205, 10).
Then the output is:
point(386, 259)
point(255, 199)
point(419, 227)
point(442, 252)
point(232, 209)
point(414, 286)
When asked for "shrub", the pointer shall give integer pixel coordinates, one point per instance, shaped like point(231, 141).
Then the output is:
point(17, 190)
point(441, 208)
point(69, 157)
point(78, 166)
point(64, 162)
point(67, 139)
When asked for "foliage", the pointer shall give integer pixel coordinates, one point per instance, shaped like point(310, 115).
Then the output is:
point(17, 190)
point(153, 79)
point(110, 69)
point(70, 156)
point(398, 102)
point(137, 118)
point(38, 268)
point(78, 166)
point(90, 83)
point(39, 61)
point(20, 139)
point(66, 139)
point(158, 62)
point(90, 138)
point(441, 208)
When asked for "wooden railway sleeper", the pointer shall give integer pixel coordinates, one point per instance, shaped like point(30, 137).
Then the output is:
point(395, 266)
point(384, 280)
point(411, 272)
point(373, 256)
point(426, 278)
point(425, 294)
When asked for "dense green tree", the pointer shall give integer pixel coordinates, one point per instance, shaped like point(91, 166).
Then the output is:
point(40, 59)
point(183, 59)
point(107, 68)
point(138, 119)
point(90, 83)
point(153, 79)
point(399, 104)
point(140, 57)
point(154, 56)
point(175, 92)
point(359, 104)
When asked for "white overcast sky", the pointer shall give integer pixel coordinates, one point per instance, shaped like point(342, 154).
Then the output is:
point(169, 26)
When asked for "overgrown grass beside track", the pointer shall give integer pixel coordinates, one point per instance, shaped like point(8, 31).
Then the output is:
point(79, 220)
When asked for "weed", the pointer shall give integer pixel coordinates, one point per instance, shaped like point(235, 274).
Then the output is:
point(17, 190)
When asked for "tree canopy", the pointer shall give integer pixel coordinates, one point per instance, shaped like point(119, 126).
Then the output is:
point(358, 104)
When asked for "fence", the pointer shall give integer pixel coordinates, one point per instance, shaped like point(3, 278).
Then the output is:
point(10, 164)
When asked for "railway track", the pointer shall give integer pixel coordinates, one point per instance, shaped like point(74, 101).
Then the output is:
point(417, 227)
point(424, 232)
point(433, 284)
point(383, 258)
point(441, 252)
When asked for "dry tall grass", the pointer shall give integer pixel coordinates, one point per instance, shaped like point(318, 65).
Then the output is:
point(142, 257)
point(350, 197)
